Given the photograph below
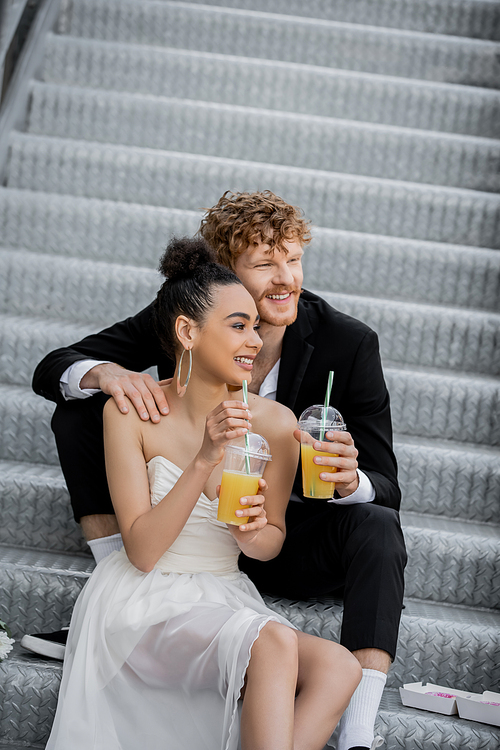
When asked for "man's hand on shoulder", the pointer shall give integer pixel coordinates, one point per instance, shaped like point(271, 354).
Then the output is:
point(145, 393)
point(344, 460)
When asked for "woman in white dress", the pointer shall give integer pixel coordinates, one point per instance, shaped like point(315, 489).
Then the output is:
point(171, 647)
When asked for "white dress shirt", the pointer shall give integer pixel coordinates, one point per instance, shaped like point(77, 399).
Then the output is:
point(70, 389)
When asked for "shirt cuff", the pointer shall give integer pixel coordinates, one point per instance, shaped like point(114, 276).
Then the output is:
point(69, 382)
point(365, 492)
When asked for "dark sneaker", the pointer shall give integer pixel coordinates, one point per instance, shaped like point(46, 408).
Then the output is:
point(52, 645)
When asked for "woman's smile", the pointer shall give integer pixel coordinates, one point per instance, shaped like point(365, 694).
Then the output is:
point(245, 362)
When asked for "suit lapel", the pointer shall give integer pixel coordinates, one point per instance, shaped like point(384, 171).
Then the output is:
point(295, 356)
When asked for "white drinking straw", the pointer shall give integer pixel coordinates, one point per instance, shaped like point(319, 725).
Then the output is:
point(247, 444)
point(327, 404)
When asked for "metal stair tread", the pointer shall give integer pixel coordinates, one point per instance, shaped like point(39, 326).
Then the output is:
point(186, 25)
point(47, 561)
point(264, 135)
point(401, 716)
point(303, 19)
point(358, 125)
point(457, 87)
point(412, 519)
point(461, 448)
point(382, 12)
point(21, 137)
point(490, 383)
point(95, 210)
point(413, 305)
point(156, 176)
point(24, 256)
point(455, 613)
point(117, 205)
point(443, 374)
point(278, 86)
point(411, 340)
point(43, 472)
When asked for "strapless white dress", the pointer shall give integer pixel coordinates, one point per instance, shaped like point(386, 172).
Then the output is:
point(156, 661)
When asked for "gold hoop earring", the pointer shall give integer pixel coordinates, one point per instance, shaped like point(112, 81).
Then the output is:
point(181, 389)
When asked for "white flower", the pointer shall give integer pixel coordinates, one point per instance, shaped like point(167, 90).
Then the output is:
point(5, 644)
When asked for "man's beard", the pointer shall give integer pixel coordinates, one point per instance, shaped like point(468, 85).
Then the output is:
point(279, 318)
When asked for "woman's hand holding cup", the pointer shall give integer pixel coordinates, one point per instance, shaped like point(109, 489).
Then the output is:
point(253, 508)
point(229, 420)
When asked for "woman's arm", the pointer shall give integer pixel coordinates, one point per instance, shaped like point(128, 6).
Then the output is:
point(148, 532)
point(263, 536)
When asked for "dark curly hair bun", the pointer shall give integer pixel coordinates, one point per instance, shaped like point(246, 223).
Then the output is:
point(184, 256)
point(192, 274)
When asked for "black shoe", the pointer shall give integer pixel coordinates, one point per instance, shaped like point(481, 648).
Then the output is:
point(52, 645)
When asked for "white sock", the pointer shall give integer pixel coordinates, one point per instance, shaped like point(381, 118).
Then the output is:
point(357, 723)
point(104, 546)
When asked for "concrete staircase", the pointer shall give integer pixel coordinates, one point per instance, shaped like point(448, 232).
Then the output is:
point(387, 133)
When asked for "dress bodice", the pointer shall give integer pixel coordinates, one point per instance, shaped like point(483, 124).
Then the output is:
point(205, 545)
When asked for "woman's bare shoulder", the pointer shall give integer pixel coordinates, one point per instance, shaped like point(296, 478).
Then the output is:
point(114, 417)
point(276, 418)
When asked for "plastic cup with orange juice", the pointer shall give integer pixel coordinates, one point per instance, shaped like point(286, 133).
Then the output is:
point(243, 467)
point(314, 423)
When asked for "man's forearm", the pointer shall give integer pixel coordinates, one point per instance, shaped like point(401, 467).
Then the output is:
point(80, 380)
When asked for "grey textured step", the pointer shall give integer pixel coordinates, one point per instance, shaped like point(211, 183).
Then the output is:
point(25, 341)
point(35, 508)
point(423, 404)
point(440, 405)
point(185, 181)
point(40, 286)
point(336, 260)
point(449, 407)
point(428, 336)
point(29, 689)
point(433, 273)
point(290, 87)
point(282, 37)
point(265, 136)
point(25, 426)
point(39, 588)
point(451, 525)
point(443, 566)
point(34, 284)
point(435, 640)
point(96, 229)
point(472, 18)
point(460, 484)
point(34, 684)
point(448, 479)
point(431, 542)
point(435, 643)
point(415, 730)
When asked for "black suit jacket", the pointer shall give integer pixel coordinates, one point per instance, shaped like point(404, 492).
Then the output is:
point(320, 340)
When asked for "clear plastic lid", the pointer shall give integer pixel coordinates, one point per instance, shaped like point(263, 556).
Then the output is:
point(258, 446)
point(313, 416)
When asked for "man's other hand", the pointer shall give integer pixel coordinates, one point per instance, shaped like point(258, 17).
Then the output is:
point(144, 392)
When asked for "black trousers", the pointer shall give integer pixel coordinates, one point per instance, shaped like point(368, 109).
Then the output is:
point(356, 552)
point(353, 551)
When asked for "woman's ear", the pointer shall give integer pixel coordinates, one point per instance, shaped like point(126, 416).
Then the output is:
point(186, 331)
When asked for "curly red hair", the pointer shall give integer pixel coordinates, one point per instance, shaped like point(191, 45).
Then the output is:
point(241, 220)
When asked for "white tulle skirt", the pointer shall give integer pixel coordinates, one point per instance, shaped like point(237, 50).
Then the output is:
point(156, 661)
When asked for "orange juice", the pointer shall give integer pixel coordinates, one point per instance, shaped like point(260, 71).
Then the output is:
point(312, 485)
point(235, 485)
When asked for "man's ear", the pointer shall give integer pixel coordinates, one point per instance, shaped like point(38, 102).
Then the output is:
point(186, 331)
